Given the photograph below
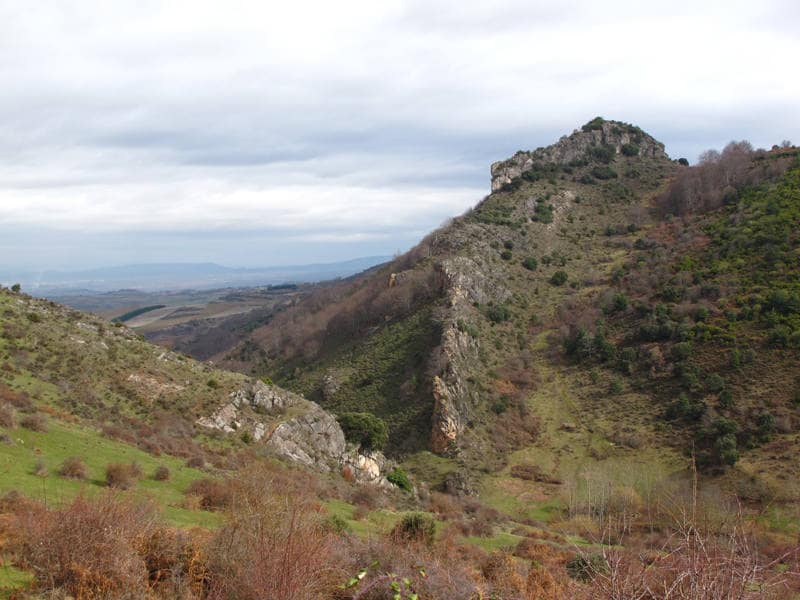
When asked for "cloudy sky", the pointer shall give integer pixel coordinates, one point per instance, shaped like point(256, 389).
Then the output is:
point(264, 132)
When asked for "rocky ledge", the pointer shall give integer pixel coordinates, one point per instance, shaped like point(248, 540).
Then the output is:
point(296, 429)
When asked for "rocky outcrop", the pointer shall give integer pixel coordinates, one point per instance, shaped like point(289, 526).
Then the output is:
point(574, 147)
point(311, 436)
point(241, 412)
point(466, 282)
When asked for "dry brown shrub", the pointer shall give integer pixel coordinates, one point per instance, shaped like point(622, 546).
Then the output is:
point(18, 400)
point(505, 574)
point(122, 476)
point(73, 468)
point(88, 549)
point(196, 462)
point(7, 419)
point(35, 422)
point(275, 545)
point(161, 473)
point(214, 494)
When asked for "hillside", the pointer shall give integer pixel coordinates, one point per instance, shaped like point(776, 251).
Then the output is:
point(553, 322)
point(589, 382)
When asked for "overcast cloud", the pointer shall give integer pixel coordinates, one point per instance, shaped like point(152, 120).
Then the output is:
point(258, 133)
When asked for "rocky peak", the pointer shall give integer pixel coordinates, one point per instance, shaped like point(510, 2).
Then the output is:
point(623, 138)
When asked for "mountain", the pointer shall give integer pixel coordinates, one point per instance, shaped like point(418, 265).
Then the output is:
point(600, 301)
point(175, 276)
point(587, 387)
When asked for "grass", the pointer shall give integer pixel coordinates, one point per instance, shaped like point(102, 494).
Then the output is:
point(18, 464)
point(12, 580)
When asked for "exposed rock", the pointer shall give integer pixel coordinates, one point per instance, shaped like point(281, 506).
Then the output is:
point(574, 147)
point(331, 383)
point(314, 439)
point(459, 483)
point(225, 419)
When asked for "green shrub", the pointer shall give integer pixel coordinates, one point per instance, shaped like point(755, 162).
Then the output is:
point(594, 124)
point(559, 278)
point(585, 568)
point(630, 150)
point(530, 263)
point(543, 213)
point(399, 478)
point(417, 526)
point(604, 172)
point(497, 313)
point(603, 154)
point(506, 255)
point(364, 429)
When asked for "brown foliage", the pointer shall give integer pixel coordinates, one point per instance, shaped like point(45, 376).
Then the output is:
point(89, 549)
point(34, 422)
point(73, 468)
point(213, 493)
point(122, 476)
point(161, 473)
point(274, 546)
point(7, 419)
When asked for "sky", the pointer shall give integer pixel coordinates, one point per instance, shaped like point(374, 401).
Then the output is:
point(272, 133)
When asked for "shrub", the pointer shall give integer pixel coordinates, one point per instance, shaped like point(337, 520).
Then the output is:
point(508, 245)
point(418, 527)
point(364, 429)
point(585, 568)
point(34, 422)
point(630, 150)
point(497, 313)
point(73, 468)
point(530, 263)
point(16, 288)
point(7, 417)
point(506, 255)
point(88, 549)
point(559, 278)
point(121, 476)
point(213, 493)
point(196, 462)
point(161, 473)
point(604, 172)
point(399, 478)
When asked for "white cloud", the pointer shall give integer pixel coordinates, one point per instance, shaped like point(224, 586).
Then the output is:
point(345, 119)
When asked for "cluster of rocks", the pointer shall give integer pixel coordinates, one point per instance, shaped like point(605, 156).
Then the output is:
point(311, 436)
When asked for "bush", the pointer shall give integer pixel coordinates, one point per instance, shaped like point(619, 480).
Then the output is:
point(7, 417)
point(162, 473)
point(73, 468)
point(559, 278)
point(497, 313)
point(585, 568)
point(630, 150)
point(604, 172)
point(419, 527)
point(530, 263)
point(213, 493)
point(122, 476)
point(34, 422)
point(506, 255)
point(399, 478)
point(88, 549)
point(364, 429)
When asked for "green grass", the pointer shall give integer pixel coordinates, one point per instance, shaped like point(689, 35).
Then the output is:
point(12, 580)
point(498, 541)
point(18, 464)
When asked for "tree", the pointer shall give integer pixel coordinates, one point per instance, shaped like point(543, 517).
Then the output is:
point(16, 288)
point(365, 429)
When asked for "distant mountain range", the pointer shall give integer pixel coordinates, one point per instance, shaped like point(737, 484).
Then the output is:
point(176, 276)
